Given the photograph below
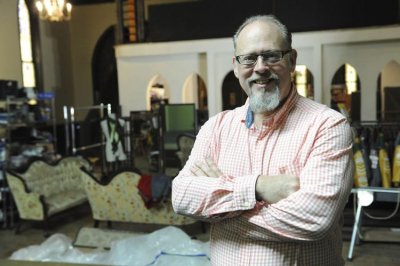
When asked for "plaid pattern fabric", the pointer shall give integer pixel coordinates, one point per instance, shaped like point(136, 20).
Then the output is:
point(310, 141)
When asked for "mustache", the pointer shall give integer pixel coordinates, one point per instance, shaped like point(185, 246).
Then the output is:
point(270, 77)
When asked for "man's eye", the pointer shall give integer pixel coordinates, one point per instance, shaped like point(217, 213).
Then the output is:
point(250, 58)
point(271, 56)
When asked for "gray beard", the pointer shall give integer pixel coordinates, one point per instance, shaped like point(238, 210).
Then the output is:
point(267, 101)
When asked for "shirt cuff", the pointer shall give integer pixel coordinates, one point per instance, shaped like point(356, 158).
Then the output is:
point(244, 192)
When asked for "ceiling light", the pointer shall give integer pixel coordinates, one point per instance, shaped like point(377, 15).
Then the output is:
point(54, 10)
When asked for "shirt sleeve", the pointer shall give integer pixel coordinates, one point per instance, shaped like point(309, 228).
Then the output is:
point(325, 184)
point(211, 198)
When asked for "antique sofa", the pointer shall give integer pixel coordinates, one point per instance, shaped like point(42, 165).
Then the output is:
point(43, 189)
point(119, 200)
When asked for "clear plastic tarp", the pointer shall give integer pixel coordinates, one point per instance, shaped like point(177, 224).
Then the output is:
point(167, 246)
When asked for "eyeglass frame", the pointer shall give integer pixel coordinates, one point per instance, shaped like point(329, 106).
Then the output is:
point(282, 54)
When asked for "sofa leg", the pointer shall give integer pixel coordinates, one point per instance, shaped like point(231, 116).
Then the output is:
point(109, 224)
point(46, 231)
point(203, 227)
point(22, 225)
point(18, 228)
point(96, 223)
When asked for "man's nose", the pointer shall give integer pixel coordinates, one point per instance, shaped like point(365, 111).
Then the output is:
point(261, 65)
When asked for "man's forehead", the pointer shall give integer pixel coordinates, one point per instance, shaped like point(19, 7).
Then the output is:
point(260, 27)
point(260, 33)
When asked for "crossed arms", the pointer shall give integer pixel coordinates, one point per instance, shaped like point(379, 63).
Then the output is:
point(302, 206)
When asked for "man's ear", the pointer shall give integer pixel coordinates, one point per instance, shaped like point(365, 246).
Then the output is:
point(293, 60)
point(235, 67)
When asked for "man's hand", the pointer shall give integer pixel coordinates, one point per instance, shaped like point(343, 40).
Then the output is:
point(206, 168)
point(274, 188)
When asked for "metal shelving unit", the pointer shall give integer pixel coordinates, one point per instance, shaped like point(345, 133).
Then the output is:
point(34, 118)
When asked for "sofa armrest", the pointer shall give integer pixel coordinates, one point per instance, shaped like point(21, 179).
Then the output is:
point(30, 205)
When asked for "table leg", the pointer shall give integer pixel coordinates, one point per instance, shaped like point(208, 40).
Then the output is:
point(355, 232)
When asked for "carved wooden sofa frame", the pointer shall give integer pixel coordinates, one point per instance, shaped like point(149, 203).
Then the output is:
point(43, 190)
point(119, 200)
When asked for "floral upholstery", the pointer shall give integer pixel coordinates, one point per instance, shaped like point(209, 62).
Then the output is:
point(119, 201)
point(45, 189)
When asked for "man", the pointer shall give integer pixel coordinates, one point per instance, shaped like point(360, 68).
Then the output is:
point(272, 176)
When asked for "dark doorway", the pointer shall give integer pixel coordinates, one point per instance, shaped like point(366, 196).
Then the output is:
point(104, 71)
point(346, 92)
point(232, 94)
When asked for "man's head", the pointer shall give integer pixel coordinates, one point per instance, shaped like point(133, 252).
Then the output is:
point(263, 61)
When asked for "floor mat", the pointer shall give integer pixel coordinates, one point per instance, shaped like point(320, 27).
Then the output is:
point(100, 238)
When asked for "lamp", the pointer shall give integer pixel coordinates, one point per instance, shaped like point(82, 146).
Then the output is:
point(54, 10)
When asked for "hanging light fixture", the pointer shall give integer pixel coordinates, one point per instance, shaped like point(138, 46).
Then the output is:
point(54, 10)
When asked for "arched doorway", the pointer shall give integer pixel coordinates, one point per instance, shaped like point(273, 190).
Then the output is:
point(195, 91)
point(232, 94)
point(346, 92)
point(388, 92)
point(304, 81)
point(157, 92)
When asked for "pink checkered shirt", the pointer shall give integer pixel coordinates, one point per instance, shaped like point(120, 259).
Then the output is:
point(303, 138)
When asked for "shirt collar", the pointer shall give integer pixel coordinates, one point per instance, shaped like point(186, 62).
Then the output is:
point(280, 115)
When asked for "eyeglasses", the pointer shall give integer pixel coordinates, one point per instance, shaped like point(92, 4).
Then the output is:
point(269, 58)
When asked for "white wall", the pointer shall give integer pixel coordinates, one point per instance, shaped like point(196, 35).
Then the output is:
point(67, 50)
point(10, 57)
point(84, 34)
point(175, 61)
point(368, 59)
point(56, 63)
point(390, 74)
point(368, 50)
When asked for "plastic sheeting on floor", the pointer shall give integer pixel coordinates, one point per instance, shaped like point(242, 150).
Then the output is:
point(167, 246)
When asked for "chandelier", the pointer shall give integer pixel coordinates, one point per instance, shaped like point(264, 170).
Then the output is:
point(54, 10)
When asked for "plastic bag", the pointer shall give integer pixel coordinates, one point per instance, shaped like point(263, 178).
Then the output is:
point(167, 246)
point(58, 248)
